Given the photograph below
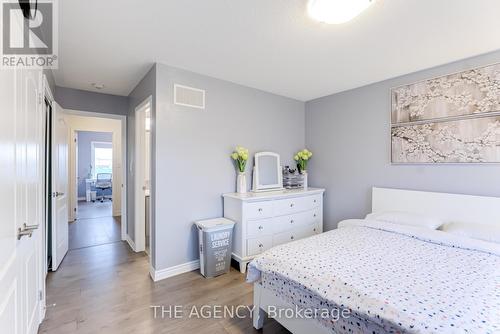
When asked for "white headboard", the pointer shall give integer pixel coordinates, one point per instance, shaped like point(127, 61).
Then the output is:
point(447, 207)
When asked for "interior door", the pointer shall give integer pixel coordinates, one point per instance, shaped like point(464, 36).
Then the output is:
point(10, 276)
point(73, 176)
point(77, 180)
point(59, 187)
point(21, 193)
point(31, 181)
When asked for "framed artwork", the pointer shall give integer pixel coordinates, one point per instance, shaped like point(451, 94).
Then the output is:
point(450, 119)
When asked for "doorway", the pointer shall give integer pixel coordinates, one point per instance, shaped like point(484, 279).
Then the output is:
point(94, 222)
point(142, 191)
point(96, 178)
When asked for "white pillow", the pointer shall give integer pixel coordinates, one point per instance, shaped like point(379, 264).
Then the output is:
point(405, 218)
point(483, 232)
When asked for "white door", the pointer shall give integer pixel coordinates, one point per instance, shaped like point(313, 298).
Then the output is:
point(77, 181)
point(21, 196)
point(141, 180)
point(10, 276)
point(59, 187)
point(33, 186)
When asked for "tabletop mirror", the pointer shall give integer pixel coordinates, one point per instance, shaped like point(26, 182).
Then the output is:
point(267, 173)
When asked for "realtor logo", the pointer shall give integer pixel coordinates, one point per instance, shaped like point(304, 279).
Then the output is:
point(29, 35)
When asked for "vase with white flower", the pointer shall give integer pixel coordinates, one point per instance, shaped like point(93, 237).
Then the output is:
point(240, 157)
point(302, 158)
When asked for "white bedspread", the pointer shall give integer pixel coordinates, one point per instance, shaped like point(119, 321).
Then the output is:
point(393, 278)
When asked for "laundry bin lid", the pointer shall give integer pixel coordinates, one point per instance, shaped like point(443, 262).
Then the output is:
point(214, 224)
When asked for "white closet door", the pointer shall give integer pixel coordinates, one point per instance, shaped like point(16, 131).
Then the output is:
point(59, 187)
point(11, 313)
point(33, 194)
point(21, 193)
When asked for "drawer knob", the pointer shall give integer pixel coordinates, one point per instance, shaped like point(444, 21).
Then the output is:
point(261, 245)
point(261, 227)
point(292, 237)
point(314, 215)
point(260, 209)
point(291, 221)
point(291, 205)
point(314, 230)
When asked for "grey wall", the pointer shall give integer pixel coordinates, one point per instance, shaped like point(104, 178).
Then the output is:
point(85, 138)
point(82, 100)
point(193, 168)
point(349, 134)
point(144, 89)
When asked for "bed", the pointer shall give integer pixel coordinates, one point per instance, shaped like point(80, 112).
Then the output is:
point(378, 277)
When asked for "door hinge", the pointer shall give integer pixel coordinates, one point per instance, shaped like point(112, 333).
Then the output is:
point(74, 209)
point(40, 295)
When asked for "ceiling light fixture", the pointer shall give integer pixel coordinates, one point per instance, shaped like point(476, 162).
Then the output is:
point(336, 11)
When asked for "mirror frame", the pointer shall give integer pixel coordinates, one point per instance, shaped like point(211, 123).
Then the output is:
point(259, 187)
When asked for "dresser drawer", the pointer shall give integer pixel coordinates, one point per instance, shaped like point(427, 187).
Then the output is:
point(288, 222)
point(311, 217)
point(296, 204)
point(296, 234)
point(260, 227)
point(258, 245)
point(315, 229)
point(292, 235)
point(258, 210)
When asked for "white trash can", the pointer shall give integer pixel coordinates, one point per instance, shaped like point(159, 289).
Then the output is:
point(215, 241)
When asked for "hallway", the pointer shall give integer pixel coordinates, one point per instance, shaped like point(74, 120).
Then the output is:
point(87, 210)
point(107, 289)
point(94, 226)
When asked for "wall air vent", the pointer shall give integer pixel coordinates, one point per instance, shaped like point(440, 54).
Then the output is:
point(189, 96)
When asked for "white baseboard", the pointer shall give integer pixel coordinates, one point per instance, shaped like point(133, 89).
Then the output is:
point(130, 242)
point(157, 275)
point(82, 198)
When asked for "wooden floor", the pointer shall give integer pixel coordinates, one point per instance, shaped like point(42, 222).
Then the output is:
point(107, 289)
point(94, 226)
point(95, 209)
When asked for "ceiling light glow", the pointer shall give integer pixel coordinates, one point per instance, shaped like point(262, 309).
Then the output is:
point(336, 11)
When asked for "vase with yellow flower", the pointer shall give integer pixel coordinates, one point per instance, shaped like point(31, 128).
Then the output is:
point(302, 158)
point(240, 157)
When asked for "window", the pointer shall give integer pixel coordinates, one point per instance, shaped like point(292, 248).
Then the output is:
point(102, 158)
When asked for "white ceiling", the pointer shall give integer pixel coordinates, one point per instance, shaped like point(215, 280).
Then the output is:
point(267, 44)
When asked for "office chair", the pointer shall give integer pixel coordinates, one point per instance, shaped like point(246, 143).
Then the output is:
point(103, 182)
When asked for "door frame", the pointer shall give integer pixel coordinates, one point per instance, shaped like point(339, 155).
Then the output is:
point(139, 173)
point(124, 148)
point(49, 96)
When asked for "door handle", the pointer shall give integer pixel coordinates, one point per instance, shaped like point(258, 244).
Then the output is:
point(57, 194)
point(30, 227)
point(21, 232)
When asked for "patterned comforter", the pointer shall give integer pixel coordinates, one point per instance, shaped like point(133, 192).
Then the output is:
point(391, 278)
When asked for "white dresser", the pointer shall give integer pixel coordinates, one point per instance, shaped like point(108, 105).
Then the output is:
point(267, 219)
